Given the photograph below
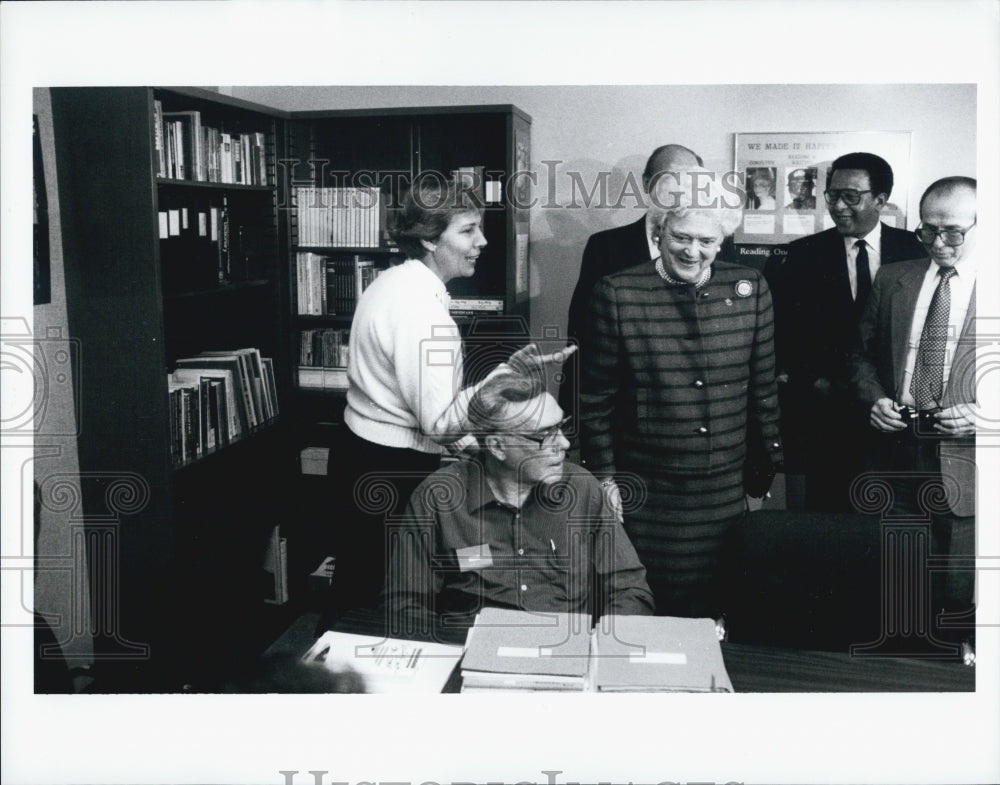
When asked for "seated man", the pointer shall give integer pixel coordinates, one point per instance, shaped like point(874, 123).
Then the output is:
point(516, 527)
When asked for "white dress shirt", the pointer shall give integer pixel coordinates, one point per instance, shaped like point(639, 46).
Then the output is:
point(961, 284)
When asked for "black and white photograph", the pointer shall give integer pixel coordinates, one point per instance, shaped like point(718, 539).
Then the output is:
point(393, 382)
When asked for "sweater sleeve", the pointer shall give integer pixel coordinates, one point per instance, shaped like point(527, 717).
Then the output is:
point(427, 357)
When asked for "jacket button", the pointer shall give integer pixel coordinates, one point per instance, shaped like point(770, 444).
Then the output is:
point(702, 430)
point(699, 383)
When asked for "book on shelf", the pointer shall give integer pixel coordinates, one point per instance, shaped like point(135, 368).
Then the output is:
point(658, 654)
point(386, 665)
point(324, 347)
point(233, 428)
point(254, 392)
point(323, 378)
point(197, 151)
point(475, 306)
point(158, 141)
point(519, 650)
point(276, 565)
point(346, 217)
point(187, 138)
point(331, 285)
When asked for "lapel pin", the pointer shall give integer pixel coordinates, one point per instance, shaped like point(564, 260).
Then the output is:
point(744, 288)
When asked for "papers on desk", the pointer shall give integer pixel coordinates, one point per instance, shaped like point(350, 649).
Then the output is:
point(386, 664)
point(658, 654)
point(523, 651)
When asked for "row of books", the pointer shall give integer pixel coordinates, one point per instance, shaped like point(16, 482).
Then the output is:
point(217, 398)
point(201, 245)
point(324, 347)
point(514, 650)
point(331, 285)
point(186, 149)
point(349, 217)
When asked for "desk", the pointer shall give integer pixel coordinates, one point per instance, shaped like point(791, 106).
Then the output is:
point(751, 668)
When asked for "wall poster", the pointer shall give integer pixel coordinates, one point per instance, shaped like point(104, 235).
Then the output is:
point(785, 175)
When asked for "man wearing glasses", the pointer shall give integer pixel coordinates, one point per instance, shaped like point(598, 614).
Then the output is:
point(516, 527)
point(914, 372)
point(826, 282)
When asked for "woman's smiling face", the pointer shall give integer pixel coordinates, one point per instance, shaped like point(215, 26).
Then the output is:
point(688, 245)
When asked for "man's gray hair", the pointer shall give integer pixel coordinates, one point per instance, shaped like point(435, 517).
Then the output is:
point(490, 408)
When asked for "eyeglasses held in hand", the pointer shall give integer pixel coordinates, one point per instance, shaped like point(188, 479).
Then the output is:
point(949, 235)
point(850, 196)
point(541, 437)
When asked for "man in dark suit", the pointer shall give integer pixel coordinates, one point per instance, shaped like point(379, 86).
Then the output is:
point(915, 372)
point(616, 249)
point(825, 282)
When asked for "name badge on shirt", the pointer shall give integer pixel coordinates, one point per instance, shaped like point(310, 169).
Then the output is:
point(475, 557)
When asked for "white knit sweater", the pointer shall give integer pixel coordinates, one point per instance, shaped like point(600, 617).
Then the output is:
point(405, 365)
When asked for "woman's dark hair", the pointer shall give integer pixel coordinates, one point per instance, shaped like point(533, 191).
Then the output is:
point(427, 209)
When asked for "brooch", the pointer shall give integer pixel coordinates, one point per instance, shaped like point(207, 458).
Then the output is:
point(744, 288)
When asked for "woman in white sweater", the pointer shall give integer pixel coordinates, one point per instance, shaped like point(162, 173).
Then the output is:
point(406, 402)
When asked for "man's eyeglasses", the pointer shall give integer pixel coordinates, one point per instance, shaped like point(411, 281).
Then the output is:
point(949, 235)
point(541, 437)
point(850, 196)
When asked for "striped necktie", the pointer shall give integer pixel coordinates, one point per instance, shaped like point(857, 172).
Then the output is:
point(928, 372)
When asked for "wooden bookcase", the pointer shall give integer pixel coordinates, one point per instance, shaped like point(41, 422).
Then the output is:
point(390, 149)
point(175, 548)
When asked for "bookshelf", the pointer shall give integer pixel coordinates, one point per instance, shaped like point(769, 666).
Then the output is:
point(177, 541)
point(372, 157)
point(383, 152)
point(174, 541)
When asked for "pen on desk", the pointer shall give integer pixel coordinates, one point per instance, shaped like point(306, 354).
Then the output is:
point(553, 544)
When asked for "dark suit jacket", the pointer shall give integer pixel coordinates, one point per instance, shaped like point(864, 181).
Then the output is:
point(606, 252)
point(815, 317)
point(879, 361)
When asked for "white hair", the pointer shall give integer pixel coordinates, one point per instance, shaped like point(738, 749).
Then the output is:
point(697, 191)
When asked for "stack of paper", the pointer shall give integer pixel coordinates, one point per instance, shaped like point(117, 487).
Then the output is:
point(520, 650)
point(387, 664)
point(658, 654)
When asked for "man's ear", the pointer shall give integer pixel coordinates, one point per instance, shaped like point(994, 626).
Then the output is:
point(881, 201)
point(496, 446)
point(428, 245)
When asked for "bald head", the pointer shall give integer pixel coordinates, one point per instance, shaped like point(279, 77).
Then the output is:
point(669, 158)
point(950, 188)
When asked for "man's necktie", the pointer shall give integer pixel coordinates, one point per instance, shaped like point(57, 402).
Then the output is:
point(864, 276)
point(928, 372)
